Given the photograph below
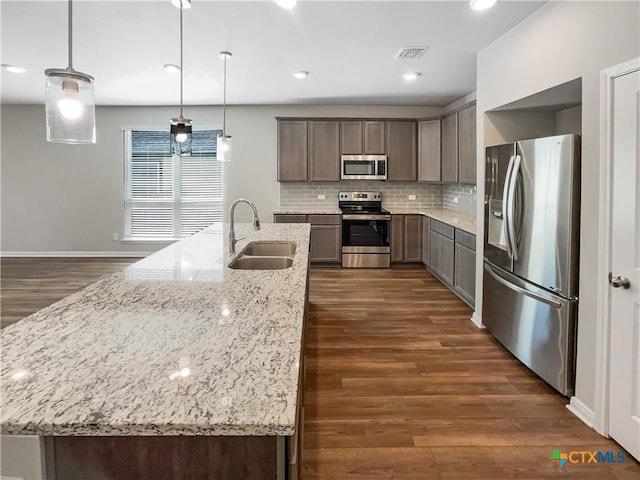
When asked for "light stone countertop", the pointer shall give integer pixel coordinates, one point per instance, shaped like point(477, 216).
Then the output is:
point(309, 211)
point(451, 217)
point(176, 344)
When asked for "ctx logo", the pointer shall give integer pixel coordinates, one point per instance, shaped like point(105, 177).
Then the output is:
point(561, 459)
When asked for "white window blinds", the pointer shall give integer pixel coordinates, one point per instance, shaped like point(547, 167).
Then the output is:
point(170, 197)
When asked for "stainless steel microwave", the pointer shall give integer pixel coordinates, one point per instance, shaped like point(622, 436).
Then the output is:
point(363, 167)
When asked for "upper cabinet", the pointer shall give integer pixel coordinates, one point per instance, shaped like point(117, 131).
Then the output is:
point(429, 151)
point(362, 137)
point(292, 151)
point(450, 148)
point(324, 151)
point(401, 151)
point(467, 158)
point(459, 146)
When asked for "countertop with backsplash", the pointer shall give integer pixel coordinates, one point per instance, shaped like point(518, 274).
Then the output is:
point(454, 218)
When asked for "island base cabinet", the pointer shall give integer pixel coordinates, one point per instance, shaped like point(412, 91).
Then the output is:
point(162, 458)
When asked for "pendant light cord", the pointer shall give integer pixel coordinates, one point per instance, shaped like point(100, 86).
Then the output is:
point(181, 69)
point(70, 27)
point(224, 97)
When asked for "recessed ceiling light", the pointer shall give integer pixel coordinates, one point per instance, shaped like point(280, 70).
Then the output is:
point(410, 76)
point(288, 4)
point(185, 3)
point(481, 4)
point(301, 74)
point(171, 68)
point(13, 68)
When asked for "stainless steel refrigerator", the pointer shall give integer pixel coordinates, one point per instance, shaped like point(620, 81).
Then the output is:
point(530, 289)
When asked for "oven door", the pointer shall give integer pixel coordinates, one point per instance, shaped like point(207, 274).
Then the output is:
point(366, 233)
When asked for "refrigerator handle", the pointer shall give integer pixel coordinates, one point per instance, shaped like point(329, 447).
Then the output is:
point(505, 200)
point(519, 289)
point(512, 238)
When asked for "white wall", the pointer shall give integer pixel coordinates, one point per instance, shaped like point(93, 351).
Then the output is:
point(560, 42)
point(69, 198)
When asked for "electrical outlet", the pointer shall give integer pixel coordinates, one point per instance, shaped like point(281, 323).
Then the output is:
point(455, 199)
point(412, 197)
point(115, 236)
point(321, 197)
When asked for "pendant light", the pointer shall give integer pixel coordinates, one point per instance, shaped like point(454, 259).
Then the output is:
point(69, 101)
point(181, 128)
point(224, 141)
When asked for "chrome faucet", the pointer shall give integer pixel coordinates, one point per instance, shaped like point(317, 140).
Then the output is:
point(232, 233)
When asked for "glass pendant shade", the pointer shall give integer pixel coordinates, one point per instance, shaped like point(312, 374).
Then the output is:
point(70, 107)
point(181, 137)
point(223, 151)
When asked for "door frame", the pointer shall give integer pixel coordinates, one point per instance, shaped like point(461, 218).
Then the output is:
point(603, 301)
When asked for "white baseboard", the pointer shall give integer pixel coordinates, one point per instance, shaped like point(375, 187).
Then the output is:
point(477, 320)
point(581, 411)
point(90, 254)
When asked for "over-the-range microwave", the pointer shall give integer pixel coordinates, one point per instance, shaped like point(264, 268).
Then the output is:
point(363, 167)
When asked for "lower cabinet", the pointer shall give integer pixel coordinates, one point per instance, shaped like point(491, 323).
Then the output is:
point(452, 258)
point(326, 235)
point(406, 238)
point(441, 257)
point(426, 231)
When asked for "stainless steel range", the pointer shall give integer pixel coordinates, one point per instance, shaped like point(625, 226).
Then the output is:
point(366, 230)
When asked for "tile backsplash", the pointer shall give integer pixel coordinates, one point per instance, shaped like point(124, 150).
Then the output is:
point(465, 196)
point(394, 195)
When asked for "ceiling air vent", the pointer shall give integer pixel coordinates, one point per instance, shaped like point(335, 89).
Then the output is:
point(410, 53)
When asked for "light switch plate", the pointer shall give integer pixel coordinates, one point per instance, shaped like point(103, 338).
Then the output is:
point(455, 199)
point(321, 197)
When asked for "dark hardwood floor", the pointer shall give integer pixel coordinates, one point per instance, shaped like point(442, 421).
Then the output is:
point(30, 284)
point(399, 383)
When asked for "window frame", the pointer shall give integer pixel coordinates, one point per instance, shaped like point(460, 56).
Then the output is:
point(176, 202)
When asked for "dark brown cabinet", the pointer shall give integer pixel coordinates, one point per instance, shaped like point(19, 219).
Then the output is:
point(459, 146)
point(406, 238)
point(467, 158)
point(401, 151)
point(429, 167)
point(362, 137)
point(326, 240)
point(292, 151)
point(324, 151)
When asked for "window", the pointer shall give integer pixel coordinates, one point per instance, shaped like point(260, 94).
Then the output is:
point(170, 197)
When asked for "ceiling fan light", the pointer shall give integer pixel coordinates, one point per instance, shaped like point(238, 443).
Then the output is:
point(481, 4)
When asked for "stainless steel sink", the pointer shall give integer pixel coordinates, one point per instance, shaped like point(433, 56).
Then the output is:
point(269, 249)
point(247, 262)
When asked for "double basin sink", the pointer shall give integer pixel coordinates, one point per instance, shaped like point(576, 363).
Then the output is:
point(265, 256)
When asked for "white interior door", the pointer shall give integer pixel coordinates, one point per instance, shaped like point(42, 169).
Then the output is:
point(624, 393)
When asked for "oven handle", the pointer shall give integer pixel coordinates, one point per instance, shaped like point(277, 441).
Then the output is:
point(366, 217)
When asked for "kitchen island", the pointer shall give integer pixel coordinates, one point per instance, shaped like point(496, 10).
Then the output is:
point(177, 367)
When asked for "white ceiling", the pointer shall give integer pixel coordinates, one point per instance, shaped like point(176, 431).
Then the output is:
point(348, 46)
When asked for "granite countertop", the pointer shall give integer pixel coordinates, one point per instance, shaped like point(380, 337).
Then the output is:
point(308, 211)
point(176, 344)
point(455, 219)
point(451, 217)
